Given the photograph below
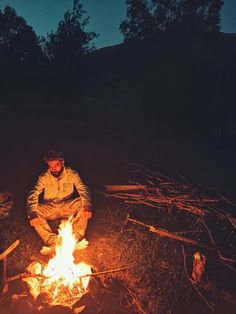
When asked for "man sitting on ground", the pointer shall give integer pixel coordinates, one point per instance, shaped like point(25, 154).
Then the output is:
point(59, 184)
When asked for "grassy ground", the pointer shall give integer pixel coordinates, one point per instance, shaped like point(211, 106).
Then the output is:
point(155, 267)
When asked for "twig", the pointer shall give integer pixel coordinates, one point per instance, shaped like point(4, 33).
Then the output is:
point(99, 273)
point(136, 300)
point(224, 259)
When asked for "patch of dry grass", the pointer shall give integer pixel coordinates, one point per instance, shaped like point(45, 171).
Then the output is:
point(155, 279)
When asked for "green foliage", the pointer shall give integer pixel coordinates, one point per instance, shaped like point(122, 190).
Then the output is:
point(147, 18)
point(18, 40)
point(70, 41)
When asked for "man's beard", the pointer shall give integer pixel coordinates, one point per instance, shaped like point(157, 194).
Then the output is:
point(57, 174)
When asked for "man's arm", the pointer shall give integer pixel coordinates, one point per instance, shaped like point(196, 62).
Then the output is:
point(32, 200)
point(84, 194)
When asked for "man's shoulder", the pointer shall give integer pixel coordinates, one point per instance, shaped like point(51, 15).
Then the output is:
point(44, 174)
point(71, 171)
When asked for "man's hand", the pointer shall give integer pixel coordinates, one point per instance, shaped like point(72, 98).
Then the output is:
point(88, 214)
point(35, 222)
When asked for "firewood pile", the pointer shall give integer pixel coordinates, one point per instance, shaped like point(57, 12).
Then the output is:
point(165, 193)
point(211, 213)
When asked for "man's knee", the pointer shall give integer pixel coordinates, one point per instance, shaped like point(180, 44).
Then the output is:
point(47, 211)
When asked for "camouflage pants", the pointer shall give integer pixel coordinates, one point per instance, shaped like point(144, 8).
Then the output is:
point(53, 211)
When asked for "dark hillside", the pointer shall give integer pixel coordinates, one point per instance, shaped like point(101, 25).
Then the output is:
point(179, 81)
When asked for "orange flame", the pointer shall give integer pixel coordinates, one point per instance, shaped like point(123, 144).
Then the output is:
point(62, 266)
point(63, 275)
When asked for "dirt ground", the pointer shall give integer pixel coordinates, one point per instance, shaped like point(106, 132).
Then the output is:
point(105, 154)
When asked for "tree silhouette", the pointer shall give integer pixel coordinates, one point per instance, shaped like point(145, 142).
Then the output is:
point(69, 42)
point(147, 18)
point(18, 40)
point(201, 15)
point(167, 14)
point(139, 23)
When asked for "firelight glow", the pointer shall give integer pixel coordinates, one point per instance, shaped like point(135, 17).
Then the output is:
point(61, 269)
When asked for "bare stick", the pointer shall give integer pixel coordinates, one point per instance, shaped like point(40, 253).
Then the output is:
point(4, 276)
point(165, 233)
point(115, 188)
point(135, 300)
point(99, 273)
point(9, 249)
point(26, 274)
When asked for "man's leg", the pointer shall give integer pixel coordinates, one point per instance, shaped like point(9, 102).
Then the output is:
point(46, 212)
point(74, 207)
point(80, 225)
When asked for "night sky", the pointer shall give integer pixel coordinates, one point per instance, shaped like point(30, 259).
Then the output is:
point(105, 16)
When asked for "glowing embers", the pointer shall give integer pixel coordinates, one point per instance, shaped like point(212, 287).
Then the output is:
point(61, 281)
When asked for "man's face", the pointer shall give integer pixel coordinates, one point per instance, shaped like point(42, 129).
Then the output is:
point(56, 167)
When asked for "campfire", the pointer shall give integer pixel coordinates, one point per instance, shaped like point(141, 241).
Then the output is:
point(60, 284)
point(61, 281)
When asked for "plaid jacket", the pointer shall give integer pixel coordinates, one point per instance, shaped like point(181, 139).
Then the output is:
point(58, 189)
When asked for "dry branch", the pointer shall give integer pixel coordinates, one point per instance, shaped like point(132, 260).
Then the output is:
point(99, 273)
point(26, 274)
point(135, 301)
point(115, 188)
point(166, 233)
point(9, 249)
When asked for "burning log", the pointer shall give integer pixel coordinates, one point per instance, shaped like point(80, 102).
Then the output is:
point(20, 304)
point(61, 281)
point(61, 285)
